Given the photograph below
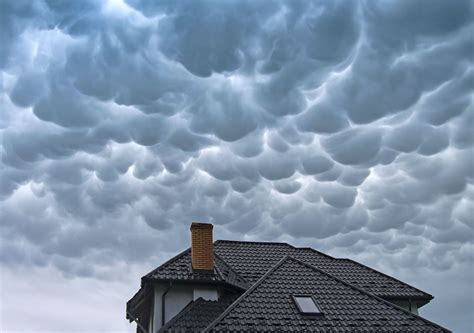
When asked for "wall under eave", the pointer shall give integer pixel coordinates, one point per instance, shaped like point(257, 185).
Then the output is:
point(405, 304)
point(207, 293)
point(176, 299)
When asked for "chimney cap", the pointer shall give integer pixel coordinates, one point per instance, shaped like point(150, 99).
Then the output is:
point(199, 225)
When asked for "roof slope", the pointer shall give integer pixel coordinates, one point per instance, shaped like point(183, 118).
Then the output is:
point(252, 259)
point(179, 268)
point(242, 263)
point(267, 306)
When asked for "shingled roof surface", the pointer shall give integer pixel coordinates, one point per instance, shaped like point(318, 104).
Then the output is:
point(179, 268)
point(266, 275)
point(267, 306)
point(197, 315)
point(242, 263)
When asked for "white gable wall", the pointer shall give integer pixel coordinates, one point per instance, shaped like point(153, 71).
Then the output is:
point(176, 299)
point(207, 293)
point(405, 304)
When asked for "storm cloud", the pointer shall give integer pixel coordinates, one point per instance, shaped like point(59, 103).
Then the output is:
point(342, 125)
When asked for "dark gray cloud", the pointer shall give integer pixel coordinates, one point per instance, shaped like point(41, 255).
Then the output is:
point(342, 125)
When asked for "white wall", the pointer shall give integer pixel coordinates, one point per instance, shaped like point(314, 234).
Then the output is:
point(207, 293)
point(405, 305)
point(156, 318)
point(176, 299)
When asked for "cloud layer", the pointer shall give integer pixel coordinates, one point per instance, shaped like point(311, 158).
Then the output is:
point(342, 125)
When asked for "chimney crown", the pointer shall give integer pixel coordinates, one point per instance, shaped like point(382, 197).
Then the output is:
point(202, 247)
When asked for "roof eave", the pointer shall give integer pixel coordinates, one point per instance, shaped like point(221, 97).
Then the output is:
point(150, 280)
point(420, 300)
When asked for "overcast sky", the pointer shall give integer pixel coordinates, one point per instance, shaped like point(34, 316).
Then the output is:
point(340, 125)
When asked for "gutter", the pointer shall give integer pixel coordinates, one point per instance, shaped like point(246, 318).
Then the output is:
point(196, 282)
point(163, 303)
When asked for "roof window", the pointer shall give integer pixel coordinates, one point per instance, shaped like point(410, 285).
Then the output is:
point(307, 305)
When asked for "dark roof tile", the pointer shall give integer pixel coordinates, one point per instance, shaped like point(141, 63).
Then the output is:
point(179, 268)
point(267, 306)
point(270, 273)
point(241, 264)
point(252, 259)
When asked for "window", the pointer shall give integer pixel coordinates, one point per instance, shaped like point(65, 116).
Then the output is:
point(306, 305)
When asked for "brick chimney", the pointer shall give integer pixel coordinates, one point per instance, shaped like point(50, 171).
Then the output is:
point(202, 247)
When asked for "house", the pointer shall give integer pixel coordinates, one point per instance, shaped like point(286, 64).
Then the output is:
point(234, 286)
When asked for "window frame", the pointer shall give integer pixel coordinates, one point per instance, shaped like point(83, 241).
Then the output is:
point(309, 314)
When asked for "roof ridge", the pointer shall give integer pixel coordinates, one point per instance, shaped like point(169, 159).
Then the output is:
point(365, 292)
point(386, 275)
point(314, 250)
point(247, 292)
point(253, 242)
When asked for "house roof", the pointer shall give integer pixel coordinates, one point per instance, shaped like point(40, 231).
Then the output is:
point(267, 307)
point(352, 297)
point(241, 264)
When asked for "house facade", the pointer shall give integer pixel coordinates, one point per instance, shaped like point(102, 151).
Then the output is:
point(234, 286)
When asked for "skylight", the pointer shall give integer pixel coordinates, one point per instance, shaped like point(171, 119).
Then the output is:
point(306, 304)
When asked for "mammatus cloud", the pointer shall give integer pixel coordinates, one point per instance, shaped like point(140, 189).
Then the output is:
point(341, 125)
